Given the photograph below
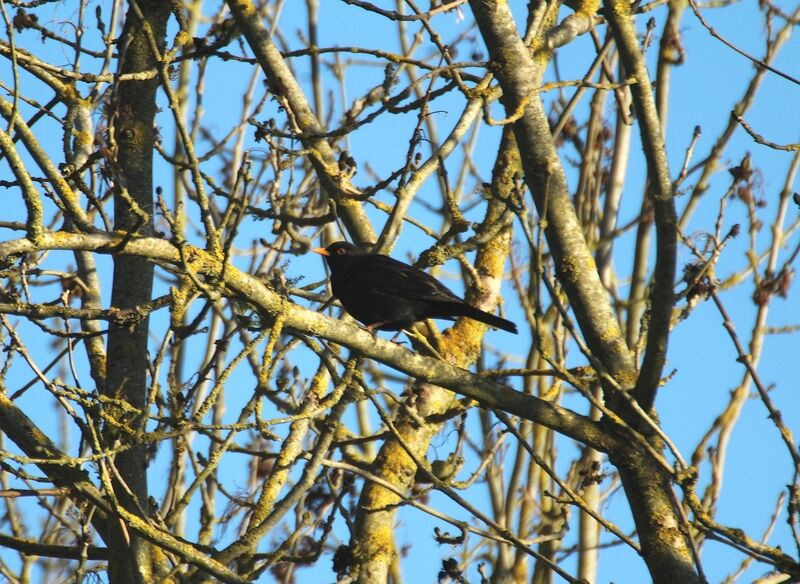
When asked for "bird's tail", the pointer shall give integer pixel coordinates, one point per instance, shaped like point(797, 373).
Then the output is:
point(486, 318)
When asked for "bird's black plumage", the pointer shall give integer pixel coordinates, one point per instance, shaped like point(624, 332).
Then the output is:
point(386, 294)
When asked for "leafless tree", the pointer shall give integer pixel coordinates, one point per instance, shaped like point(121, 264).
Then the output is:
point(181, 402)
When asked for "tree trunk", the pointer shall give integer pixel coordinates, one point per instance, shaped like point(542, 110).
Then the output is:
point(131, 558)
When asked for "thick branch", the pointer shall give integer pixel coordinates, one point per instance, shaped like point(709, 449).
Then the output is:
point(520, 75)
point(491, 395)
point(30, 547)
point(127, 365)
point(35, 444)
point(662, 296)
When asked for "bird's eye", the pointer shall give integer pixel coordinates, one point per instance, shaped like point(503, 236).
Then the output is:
point(341, 251)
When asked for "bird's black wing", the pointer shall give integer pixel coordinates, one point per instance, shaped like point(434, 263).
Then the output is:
point(396, 278)
point(378, 289)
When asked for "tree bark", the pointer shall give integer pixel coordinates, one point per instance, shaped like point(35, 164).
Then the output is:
point(667, 550)
point(133, 135)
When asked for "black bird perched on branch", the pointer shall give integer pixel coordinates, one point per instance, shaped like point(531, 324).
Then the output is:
point(388, 295)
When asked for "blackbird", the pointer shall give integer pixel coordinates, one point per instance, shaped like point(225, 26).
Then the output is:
point(388, 295)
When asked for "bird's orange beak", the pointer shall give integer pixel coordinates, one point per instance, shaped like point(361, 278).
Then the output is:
point(321, 251)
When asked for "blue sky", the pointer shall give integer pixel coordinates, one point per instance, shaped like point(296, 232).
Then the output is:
point(703, 93)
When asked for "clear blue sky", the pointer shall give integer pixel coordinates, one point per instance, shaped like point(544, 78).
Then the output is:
point(704, 90)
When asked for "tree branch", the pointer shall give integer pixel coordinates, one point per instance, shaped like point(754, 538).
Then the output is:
point(491, 395)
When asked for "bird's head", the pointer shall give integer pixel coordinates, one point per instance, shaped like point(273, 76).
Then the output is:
point(338, 252)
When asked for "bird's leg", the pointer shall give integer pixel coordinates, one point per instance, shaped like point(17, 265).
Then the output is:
point(373, 328)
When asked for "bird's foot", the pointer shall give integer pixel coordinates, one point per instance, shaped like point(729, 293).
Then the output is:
point(373, 328)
